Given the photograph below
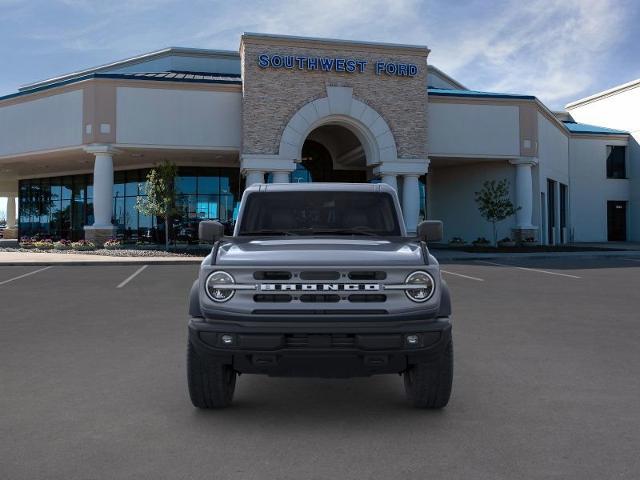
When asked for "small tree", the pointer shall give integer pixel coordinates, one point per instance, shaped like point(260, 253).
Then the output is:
point(160, 193)
point(494, 203)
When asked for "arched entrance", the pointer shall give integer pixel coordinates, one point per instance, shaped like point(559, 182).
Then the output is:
point(332, 153)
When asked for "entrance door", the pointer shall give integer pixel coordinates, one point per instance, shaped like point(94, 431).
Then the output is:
point(617, 221)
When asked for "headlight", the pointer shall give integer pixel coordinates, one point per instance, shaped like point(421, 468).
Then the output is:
point(215, 286)
point(425, 286)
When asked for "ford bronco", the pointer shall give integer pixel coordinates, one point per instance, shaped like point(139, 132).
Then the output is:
point(320, 280)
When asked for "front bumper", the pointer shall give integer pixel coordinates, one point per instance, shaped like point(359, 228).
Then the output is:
point(320, 349)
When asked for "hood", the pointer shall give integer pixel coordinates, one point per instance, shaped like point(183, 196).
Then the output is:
point(319, 251)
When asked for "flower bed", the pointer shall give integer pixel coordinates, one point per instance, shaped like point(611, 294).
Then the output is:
point(83, 245)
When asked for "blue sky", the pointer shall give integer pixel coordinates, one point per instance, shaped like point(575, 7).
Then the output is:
point(557, 50)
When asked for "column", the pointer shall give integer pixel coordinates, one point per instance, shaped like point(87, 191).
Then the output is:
point(254, 176)
point(280, 177)
point(391, 180)
point(102, 229)
point(524, 197)
point(410, 201)
point(11, 212)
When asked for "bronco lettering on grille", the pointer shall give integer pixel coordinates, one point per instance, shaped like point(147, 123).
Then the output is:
point(322, 287)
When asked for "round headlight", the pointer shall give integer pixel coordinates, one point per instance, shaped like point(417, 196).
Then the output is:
point(425, 286)
point(215, 286)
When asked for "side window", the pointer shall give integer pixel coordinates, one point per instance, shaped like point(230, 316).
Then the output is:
point(616, 161)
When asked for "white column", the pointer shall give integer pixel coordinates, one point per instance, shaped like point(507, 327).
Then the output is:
point(103, 190)
point(280, 177)
point(254, 176)
point(410, 201)
point(391, 180)
point(11, 211)
point(524, 192)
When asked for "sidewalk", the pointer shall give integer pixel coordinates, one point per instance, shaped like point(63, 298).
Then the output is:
point(455, 255)
point(32, 258)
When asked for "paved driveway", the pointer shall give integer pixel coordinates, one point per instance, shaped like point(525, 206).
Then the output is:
point(547, 384)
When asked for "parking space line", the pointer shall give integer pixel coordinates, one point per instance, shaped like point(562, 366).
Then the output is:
point(463, 276)
point(132, 276)
point(528, 269)
point(25, 275)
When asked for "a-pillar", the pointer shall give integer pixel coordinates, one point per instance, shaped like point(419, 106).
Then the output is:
point(102, 228)
point(524, 198)
point(391, 180)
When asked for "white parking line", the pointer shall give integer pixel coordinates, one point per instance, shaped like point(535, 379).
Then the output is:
point(25, 275)
point(132, 276)
point(528, 269)
point(463, 276)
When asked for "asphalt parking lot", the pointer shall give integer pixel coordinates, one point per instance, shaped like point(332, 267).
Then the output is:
point(547, 384)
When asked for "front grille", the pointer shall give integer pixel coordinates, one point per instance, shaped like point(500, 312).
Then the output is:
point(320, 341)
point(361, 298)
point(367, 275)
point(268, 298)
point(319, 298)
point(272, 275)
point(319, 275)
point(319, 311)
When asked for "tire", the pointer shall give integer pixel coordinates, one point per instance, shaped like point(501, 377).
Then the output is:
point(211, 383)
point(428, 385)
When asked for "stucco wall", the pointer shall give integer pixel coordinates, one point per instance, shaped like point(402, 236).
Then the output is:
point(465, 129)
point(589, 189)
point(271, 96)
point(621, 111)
point(451, 198)
point(165, 117)
point(45, 123)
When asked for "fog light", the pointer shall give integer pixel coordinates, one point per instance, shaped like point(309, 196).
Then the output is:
point(227, 339)
point(413, 339)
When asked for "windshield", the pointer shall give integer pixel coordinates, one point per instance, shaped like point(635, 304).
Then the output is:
point(319, 213)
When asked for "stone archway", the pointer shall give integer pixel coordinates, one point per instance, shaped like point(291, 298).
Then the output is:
point(340, 108)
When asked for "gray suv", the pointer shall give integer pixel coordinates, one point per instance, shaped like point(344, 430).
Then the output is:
point(320, 280)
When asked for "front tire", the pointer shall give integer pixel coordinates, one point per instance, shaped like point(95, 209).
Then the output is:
point(211, 383)
point(428, 385)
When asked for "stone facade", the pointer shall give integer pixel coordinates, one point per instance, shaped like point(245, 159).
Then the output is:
point(271, 96)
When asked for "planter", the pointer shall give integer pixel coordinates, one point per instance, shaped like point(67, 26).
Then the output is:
point(510, 243)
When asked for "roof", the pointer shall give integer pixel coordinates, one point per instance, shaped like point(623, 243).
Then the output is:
point(171, 76)
point(145, 57)
point(475, 93)
point(433, 69)
point(604, 93)
point(575, 127)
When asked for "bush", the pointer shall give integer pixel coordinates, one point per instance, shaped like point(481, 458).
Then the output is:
point(83, 245)
point(62, 245)
point(26, 242)
point(481, 241)
point(43, 244)
point(457, 241)
point(112, 244)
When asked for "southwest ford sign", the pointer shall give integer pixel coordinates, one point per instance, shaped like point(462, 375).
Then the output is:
point(335, 64)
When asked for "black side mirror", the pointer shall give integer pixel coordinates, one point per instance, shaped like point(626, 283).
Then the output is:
point(210, 231)
point(430, 231)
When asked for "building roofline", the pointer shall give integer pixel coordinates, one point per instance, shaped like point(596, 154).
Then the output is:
point(131, 61)
point(604, 93)
point(117, 76)
point(445, 92)
point(320, 40)
point(446, 76)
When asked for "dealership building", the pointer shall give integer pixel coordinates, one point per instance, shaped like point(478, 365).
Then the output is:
point(75, 149)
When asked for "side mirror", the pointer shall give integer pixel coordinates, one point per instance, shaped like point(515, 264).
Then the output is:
point(210, 231)
point(430, 231)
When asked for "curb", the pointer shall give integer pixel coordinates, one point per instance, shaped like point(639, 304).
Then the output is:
point(525, 256)
point(90, 263)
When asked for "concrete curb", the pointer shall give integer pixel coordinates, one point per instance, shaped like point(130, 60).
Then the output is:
point(541, 255)
point(97, 263)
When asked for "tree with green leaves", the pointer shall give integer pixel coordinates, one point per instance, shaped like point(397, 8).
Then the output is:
point(494, 203)
point(160, 199)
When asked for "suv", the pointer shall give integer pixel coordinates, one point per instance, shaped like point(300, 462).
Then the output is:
point(320, 280)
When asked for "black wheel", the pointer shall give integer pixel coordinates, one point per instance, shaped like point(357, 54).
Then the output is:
point(211, 384)
point(428, 385)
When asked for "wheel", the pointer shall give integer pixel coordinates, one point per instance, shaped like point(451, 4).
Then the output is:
point(211, 384)
point(428, 385)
